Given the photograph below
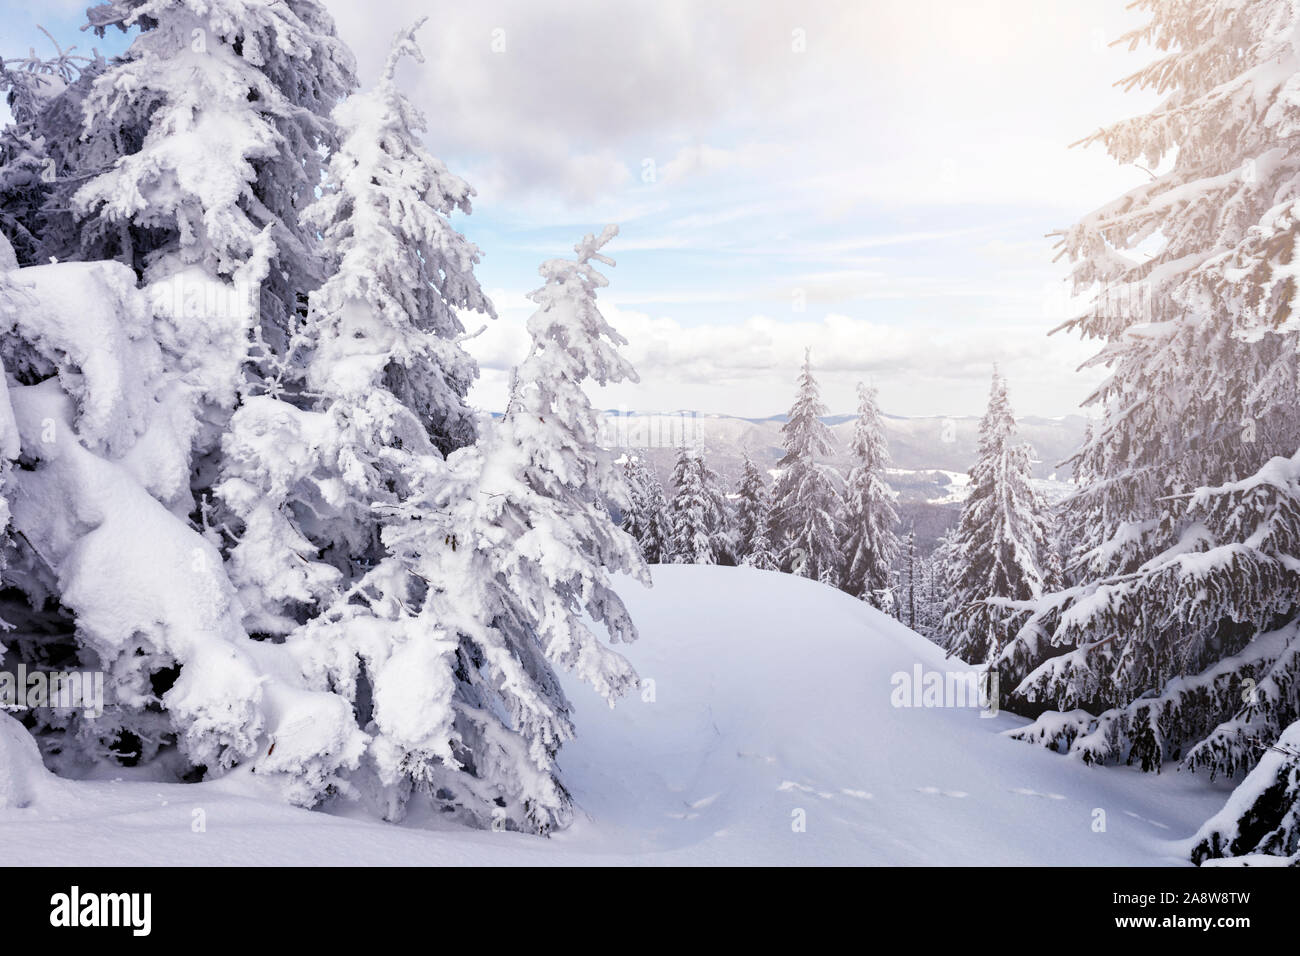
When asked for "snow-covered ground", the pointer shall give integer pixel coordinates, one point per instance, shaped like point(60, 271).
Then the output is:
point(770, 695)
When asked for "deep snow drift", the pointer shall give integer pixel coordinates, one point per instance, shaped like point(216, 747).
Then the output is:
point(765, 694)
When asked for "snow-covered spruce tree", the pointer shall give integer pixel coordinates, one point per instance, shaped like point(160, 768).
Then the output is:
point(384, 218)
point(10, 445)
point(111, 577)
point(806, 502)
point(243, 85)
point(43, 139)
point(870, 544)
point(248, 84)
point(696, 511)
point(383, 373)
point(998, 543)
point(1052, 561)
point(911, 567)
point(657, 544)
point(496, 567)
point(1179, 632)
point(120, 395)
point(646, 518)
point(932, 588)
point(762, 555)
point(220, 114)
point(120, 398)
point(723, 535)
point(753, 515)
point(1263, 813)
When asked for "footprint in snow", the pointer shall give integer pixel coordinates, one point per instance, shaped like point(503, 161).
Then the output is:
point(787, 785)
point(1154, 823)
point(945, 793)
point(1025, 792)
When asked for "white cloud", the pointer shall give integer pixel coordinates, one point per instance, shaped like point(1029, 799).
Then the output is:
point(807, 168)
point(747, 367)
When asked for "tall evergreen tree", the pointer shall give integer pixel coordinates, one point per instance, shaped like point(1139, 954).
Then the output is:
point(383, 373)
point(500, 564)
point(999, 540)
point(753, 515)
point(870, 543)
point(722, 534)
point(934, 587)
point(700, 518)
point(41, 147)
point(646, 518)
point(250, 83)
point(761, 555)
point(1052, 560)
point(388, 314)
point(911, 571)
point(193, 155)
point(1179, 639)
point(806, 503)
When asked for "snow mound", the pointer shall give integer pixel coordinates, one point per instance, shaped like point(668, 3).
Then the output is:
point(20, 765)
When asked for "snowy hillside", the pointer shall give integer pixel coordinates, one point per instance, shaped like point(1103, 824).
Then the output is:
point(770, 695)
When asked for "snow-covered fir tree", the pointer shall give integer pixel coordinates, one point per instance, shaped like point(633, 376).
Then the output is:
point(753, 517)
point(243, 86)
point(1178, 639)
point(10, 443)
point(193, 153)
point(388, 314)
point(498, 564)
point(723, 535)
point(933, 589)
point(869, 519)
point(762, 554)
point(911, 587)
point(699, 513)
point(806, 507)
point(1052, 559)
point(383, 373)
point(646, 518)
point(41, 143)
point(999, 540)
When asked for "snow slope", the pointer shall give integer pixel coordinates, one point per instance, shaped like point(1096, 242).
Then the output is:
point(771, 694)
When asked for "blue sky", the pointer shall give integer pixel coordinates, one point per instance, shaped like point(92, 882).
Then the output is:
point(870, 178)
